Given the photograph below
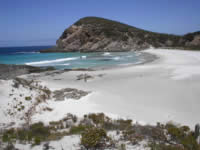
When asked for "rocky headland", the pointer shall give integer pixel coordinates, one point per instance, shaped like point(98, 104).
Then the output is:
point(93, 34)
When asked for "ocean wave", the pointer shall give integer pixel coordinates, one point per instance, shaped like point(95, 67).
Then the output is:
point(83, 57)
point(106, 54)
point(51, 61)
point(116, 58)
point(67, 64)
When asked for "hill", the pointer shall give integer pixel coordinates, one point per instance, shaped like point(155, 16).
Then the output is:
point(99, 34)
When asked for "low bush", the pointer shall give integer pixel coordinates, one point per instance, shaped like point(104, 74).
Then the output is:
point(122, 124)
point(99, 118)
point(190, 143)
point(94, 138)
point(28, 98)
point(78, 129)
point(9, 135)
point(37, 132)
point(175, 132)
point(184, 136)
point(37, 141)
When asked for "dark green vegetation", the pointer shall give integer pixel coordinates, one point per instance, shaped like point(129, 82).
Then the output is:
point(28, 98)
point(34, 134)
point(181, 138)
point(94, 129)
point(94, 138)
point(119, 31)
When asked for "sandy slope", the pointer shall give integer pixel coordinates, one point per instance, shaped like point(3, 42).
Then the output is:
point(163, 90)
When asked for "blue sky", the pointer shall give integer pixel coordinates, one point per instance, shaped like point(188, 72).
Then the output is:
point(41, 22)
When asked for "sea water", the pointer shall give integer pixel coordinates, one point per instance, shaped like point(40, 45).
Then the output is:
point(31, 56)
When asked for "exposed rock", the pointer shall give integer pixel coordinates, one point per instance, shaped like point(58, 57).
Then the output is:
point(87, 77)
point(12, 71)
point(79, 69)
point(92, 34)
point(69, 93)
point(84, 77)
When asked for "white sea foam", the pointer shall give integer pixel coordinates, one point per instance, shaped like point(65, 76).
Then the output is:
point(67, 64)
point(137, 54)
point(83, 57)
point(51, 61)
point(106, 54)
point(116, 58)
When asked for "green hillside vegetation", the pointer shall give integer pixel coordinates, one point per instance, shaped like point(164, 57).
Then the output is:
point(119, 31)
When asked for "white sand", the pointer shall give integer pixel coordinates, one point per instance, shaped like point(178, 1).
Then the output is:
point(164, 90)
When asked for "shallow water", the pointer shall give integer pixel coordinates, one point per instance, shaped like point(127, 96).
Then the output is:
point(31, 56)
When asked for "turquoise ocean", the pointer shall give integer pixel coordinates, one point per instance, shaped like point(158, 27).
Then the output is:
point(31, 56)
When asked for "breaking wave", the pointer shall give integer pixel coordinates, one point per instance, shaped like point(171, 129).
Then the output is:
point(83, 57)
point(116, 58)
point(106, 54)
point(51, 61)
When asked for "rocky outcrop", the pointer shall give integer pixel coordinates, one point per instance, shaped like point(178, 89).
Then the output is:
point(92, 34)
point(69, 93)
point(12, 71)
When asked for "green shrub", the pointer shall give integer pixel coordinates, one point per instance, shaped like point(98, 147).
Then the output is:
point(77, 129)
point(175, 132)
point(28, 98)
point(22, 107)
point(122, 124)
point(47, 91)
point(6, 138)
point(37, 140)
point(183, 136)
point(190, 143)
point(94, 138)
point(97, 118)
point(38, 129)
point(9, 135)
point(22, 135)
point(185, 128)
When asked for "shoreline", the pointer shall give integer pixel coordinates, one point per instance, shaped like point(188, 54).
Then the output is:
point(162, 90)
point(28, 69)
point(158, 71)
point(112, 77)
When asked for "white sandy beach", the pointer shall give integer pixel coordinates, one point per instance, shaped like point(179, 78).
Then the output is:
point(166, 89)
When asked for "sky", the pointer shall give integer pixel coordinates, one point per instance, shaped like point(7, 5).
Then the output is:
point(41, 22)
